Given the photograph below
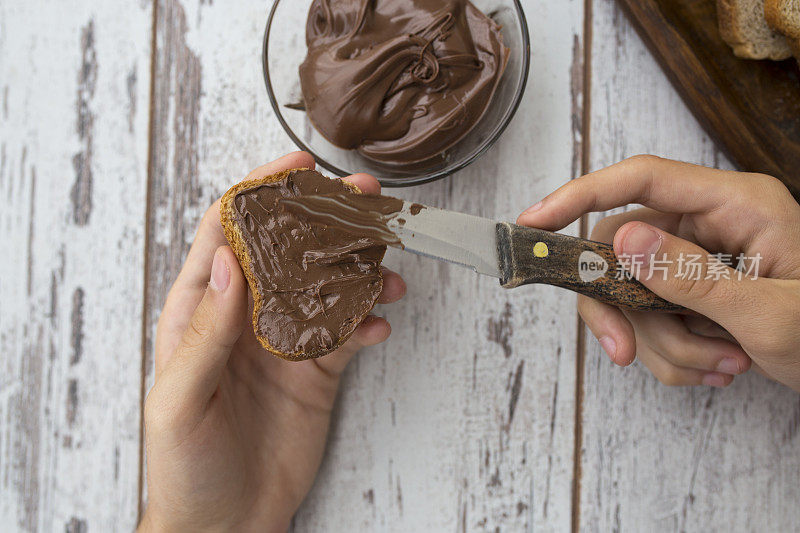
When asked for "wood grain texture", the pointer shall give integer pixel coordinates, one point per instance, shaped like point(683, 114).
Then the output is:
point(74, 83)
point(751, 107)
point(655, 458)
point(463, 420)
point(531, 255)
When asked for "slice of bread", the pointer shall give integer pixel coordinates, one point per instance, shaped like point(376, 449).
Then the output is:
point(743, 26)
point(242, 233)
point(783, 16)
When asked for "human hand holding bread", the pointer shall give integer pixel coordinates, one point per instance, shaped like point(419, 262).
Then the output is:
point(234, 436)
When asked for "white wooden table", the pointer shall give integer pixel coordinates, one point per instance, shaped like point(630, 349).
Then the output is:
point(487, 410)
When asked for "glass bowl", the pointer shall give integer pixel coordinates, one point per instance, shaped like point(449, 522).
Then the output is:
point(285, 49)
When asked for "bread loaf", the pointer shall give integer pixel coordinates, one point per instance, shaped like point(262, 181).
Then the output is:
point(743, 26)
point(783, 16)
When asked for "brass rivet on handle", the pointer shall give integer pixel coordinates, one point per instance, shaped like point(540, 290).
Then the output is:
point(540, 250)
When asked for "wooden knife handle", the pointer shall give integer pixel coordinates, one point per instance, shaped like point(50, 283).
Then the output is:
point(529, 255)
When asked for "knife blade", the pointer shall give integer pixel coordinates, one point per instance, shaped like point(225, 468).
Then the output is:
point(458, 238)
point(515, 254)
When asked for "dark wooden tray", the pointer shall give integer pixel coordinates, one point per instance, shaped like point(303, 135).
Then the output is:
point(751, 108)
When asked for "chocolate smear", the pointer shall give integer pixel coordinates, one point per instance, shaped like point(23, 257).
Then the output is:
point(313, 283)
point(364, 215)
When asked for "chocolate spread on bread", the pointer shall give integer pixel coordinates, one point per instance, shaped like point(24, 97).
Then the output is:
point(364, 215)
point(399, 80)
point(313, 284)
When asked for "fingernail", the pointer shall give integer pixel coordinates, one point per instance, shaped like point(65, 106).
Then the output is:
point(641, 243)
point(715, 380)
point(729, 365)
point(610, 346)
point(220, 273)
point(535, 207)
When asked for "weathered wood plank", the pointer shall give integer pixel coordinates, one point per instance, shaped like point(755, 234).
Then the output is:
point(74, 89)
point(464, 419)
point(654, 458)
point(212, 124)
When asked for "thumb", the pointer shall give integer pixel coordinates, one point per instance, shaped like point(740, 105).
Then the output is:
point(686, 274)
point(192, 375)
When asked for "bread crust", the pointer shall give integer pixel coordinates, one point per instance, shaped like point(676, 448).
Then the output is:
point(777, 20)
point(774, 13)
point(237, 241)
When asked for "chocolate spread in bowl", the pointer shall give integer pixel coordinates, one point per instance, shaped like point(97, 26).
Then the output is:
point(399, 80)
